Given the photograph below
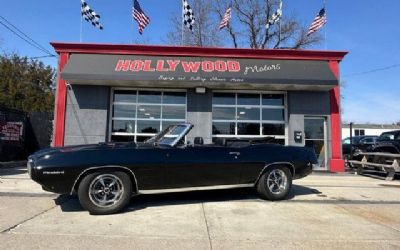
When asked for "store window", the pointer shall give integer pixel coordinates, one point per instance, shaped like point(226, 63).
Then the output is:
point(249, 115)
point(140, 114)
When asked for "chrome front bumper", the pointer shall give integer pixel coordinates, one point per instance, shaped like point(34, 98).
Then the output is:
point(29, 166)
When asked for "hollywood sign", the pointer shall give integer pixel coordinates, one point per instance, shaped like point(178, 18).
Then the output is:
point(174, 65)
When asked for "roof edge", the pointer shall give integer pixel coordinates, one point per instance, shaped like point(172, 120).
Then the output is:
point(161, 50)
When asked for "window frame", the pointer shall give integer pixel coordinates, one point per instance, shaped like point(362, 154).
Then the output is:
point(261, 107)
point(135, 134)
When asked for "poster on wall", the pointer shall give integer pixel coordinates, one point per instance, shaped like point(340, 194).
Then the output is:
point(11, 131)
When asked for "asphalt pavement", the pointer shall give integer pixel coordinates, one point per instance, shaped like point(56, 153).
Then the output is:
point(323, 212)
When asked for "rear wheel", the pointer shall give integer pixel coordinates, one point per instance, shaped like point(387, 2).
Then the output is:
point(275, 183)
point(105, 192)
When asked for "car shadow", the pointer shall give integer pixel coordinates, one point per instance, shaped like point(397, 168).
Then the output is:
point(71, 203)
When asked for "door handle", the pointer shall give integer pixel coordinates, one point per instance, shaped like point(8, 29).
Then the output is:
point(234, 153)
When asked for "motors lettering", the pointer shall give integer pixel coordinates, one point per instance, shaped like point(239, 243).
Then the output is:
point(173, 65)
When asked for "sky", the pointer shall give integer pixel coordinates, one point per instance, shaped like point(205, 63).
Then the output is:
point(368, 29)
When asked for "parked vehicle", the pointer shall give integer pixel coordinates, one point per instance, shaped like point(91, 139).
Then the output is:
point(388, 142)
point(356, 145)
point(106, 175)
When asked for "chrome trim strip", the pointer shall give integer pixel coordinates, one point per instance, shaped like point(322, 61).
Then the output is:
point(275, 163)
point(188, 189)
point(102, 167)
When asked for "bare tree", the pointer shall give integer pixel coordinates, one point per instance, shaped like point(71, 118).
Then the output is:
point(205, 32)
point(247, 26)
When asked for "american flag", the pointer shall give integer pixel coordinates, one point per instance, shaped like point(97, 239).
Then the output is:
point(227, 17)
point(319, 22)
point(90, 16)
point(140, 16)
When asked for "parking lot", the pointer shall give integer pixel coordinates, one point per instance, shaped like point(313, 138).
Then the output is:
point(324, 211)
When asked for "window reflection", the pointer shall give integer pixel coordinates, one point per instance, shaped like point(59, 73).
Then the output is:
point(174, 112)
point(223, 128)
point(125, 96)
point(223, 113)
point(273, 99)
point(124, 111)
point(314, 128)
point(273, 114)
point(156, 110)
point(149, 97)
point(174, 98)
point(273, 129)
point(123, 126)
point(248, 99)
point(148, 127)
point(248, 128)
point(149, 112)
point(224, 98)
point(248, 113)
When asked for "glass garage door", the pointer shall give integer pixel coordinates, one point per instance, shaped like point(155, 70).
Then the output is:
point(249, 115)
point(316, 138)
point(140, 114)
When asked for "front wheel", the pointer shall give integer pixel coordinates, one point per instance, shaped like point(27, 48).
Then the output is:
point(105, 192)
point(275, 183)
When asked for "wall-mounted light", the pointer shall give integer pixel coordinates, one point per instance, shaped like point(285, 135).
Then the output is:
point(200, 90)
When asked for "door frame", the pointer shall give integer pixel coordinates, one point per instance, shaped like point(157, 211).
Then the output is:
point(326, 140)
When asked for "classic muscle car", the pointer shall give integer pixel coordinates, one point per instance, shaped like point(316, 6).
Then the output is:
point(106, 175)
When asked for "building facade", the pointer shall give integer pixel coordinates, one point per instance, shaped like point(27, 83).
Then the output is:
point(109, 93)
point(367, 129)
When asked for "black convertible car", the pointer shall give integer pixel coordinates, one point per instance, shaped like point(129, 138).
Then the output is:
point(106, 175)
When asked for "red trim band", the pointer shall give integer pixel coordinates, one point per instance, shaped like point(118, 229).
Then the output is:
point(198, 51)
point(60, 103)
point(336, 162)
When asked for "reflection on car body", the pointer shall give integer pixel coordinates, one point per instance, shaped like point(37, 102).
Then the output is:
point(106, 175)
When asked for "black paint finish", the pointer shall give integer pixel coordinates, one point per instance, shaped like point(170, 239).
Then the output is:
point(162, 167)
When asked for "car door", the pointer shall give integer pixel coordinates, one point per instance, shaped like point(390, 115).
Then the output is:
point(199, 166)
point(148, 165)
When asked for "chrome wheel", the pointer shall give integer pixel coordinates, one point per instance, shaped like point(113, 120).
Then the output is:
point(106, 190)
point(277, 181)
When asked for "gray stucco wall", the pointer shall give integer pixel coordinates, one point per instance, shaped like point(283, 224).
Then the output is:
point(306, 103)
point(199, 113)
point(86, 114)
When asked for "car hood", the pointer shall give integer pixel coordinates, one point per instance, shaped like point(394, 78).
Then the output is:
point(86, 147)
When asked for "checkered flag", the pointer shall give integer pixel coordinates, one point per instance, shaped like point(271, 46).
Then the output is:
point(90, 15)
point(188, 16)
point(275, 17)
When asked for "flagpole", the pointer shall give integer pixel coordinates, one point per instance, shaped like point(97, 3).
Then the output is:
point(280, 24)
point(325, 28)
point(80, 33)
point(132, 30)
point(182, 24)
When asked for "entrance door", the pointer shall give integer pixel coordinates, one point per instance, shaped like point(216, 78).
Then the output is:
point(316, 138)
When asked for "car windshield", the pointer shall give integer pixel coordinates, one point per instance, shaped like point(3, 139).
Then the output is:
point(354, 139)
point(169, 135)
point(389, 136)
